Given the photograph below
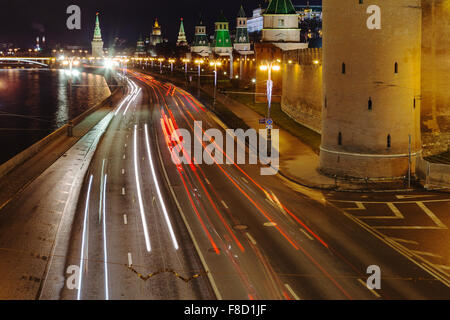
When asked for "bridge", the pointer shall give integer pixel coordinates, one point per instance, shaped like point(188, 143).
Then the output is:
point(40, 61)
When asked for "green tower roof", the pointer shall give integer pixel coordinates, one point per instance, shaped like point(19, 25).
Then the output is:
point(97, 30)
point(280, 7)
point(241, 13)
point(182, 27)
point(222, 17)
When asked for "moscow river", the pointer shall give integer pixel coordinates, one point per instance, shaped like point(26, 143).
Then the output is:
point(33, 103)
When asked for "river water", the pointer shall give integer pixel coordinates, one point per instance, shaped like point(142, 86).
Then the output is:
point(35, 102)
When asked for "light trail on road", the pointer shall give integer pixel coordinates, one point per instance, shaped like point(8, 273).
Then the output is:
point(138, 188)
point(86, 213)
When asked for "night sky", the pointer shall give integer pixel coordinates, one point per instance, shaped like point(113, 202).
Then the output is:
point(21, 21)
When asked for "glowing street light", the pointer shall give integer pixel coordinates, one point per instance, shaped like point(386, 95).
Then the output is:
point(171, 61)
point(160, 64)
point(215, 64)
point(186, 61)
point(199, 62)
point(269, 67)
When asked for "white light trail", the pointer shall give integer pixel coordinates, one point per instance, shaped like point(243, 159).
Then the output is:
point(86, 213)
point(166, 215)
point(138, 187)
point(132, 100)
point(104, 238)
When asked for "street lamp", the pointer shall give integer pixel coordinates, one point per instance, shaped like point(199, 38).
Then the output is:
point(160, 64)
point(269, 67)
point(215, 64)
point(186, 61)
point(199, 62)
point(171, 61)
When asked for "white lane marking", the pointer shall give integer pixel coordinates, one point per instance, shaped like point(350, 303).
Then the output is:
point(392, 207)
point(251, 238)
point(395, 210)
point(124, 156)
point(104, 240)
point(224, 204)
point(431, 215)
point(123, 191)
point(123, 171)
point(424, 253)
point(65, 192)
point(158, 191)
point(371, 290)
point(359, 206)
point(130, 260)
point(403, 240)
point(125, 219)
point(207, 181)
point(306, 234)
point(292, 292)
point(245, 180)
point(412, 196)
point(86, 213)
point(125, 145)
point(138, 186)
point(270, 224)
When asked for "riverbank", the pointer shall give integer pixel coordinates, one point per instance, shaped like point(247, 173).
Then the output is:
point(21, 170)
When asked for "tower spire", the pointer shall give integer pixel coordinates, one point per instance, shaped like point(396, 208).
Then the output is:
point(181, 35)
point(97, 42)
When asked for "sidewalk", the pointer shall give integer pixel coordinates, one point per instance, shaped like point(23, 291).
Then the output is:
point(20, 177)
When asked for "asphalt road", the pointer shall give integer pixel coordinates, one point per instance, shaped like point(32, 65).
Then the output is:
point(137, 226)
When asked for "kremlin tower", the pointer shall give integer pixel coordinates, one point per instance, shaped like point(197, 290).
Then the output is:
point(182, 36)
point(222, 41)
point(371, 88)
point(97, 42)
point(200, 45)
point(242, 40)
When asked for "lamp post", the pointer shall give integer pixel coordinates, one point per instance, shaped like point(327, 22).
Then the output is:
point(199, 62)
point(171, 61)
point(186, 61)
point(215, 64)
point(269, 67)
point(160, 64)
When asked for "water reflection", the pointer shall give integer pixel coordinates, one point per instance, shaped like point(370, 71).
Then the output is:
point(34, 103)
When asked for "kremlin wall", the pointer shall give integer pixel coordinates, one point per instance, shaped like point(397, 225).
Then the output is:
point(301, 87)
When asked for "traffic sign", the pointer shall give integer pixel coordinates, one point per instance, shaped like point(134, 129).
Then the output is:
point(269, 122)
point(269, 127)
point(262, 121)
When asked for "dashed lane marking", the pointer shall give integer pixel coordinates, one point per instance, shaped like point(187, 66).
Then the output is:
point(306, 234)
point(224, 204)
point(125, 220)
point(123, 191)
point(251, 238)
point(130, 260)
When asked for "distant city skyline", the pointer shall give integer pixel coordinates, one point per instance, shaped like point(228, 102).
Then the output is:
point(21, 21)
